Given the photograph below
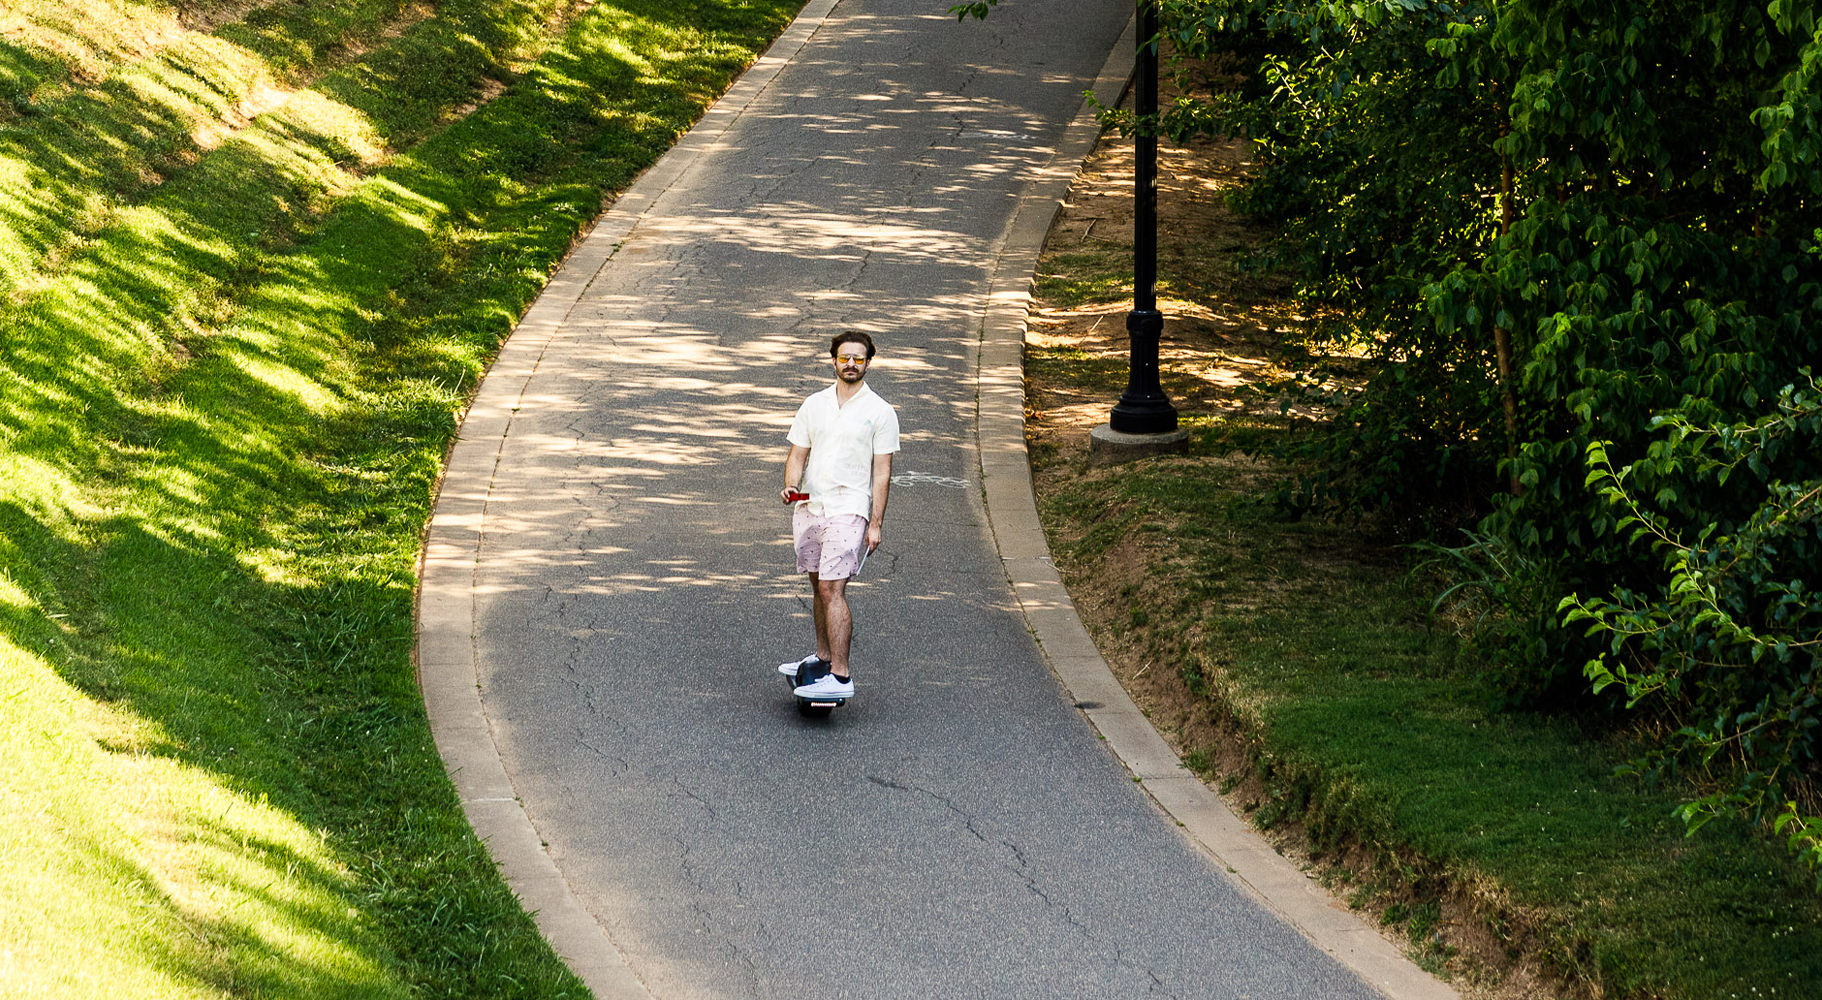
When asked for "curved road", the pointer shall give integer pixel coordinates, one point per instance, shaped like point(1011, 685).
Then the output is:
point(610, 561)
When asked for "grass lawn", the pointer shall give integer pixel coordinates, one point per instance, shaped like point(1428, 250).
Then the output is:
point(1297, 666)
point(253, 257)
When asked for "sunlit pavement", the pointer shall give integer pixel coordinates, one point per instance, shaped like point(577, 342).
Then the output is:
point(612, 563)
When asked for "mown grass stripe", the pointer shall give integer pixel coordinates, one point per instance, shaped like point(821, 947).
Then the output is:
point(154, 118)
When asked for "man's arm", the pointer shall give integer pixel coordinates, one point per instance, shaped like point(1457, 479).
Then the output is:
point(882, 484)
point(793, 471)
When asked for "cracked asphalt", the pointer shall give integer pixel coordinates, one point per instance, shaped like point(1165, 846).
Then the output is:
point(958, 830)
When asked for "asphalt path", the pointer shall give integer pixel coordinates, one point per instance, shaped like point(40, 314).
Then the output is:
point(958, 829)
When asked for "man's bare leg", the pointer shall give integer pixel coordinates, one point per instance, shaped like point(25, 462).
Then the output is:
point(820, 614)
point(834, 624)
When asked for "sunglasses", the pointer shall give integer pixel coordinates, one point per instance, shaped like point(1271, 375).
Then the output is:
point(852, 359)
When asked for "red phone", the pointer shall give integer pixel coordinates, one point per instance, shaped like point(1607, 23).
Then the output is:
point(796, 497)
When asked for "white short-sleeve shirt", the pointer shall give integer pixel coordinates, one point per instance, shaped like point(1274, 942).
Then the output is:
point(843, 438)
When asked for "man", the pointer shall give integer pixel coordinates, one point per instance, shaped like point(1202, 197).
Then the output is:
point(842, 441)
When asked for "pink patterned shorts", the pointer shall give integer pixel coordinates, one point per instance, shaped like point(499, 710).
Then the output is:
point(830, 547)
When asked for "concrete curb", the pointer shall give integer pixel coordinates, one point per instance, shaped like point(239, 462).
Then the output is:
point(1012, 515)
point(447, 671)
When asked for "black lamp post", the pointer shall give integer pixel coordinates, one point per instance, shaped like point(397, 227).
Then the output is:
point(1144, 408)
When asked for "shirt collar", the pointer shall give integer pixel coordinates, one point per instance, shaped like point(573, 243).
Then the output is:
point(834, 392)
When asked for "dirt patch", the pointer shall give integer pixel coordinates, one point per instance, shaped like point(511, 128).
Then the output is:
point(1213, 347)
point(207, 15)
point(1229, 334)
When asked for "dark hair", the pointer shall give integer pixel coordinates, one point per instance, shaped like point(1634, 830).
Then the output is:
point(851, 335)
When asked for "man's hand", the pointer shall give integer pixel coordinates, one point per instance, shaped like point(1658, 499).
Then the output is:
point(874, 535)
point(794, 461)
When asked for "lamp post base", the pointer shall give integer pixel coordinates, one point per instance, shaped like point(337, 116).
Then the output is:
point(1107, 446)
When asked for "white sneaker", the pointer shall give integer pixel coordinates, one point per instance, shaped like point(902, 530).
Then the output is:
point(826, 686)
point(790, 669)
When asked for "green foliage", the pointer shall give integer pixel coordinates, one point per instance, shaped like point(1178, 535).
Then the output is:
point(978, 11)
point(1375, 169)
point(1731, 636)
point(1504, 598)
point(1626, 194)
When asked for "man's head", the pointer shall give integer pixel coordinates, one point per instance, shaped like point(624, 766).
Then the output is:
point(851, 351)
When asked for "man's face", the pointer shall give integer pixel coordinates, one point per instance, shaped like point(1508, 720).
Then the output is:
point(851, 362)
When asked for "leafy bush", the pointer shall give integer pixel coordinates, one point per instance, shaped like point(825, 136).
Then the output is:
point(1557, 226)
point(1730, 638)
point(1373, 169)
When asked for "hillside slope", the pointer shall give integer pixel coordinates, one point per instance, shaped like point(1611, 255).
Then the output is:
point(253, 257)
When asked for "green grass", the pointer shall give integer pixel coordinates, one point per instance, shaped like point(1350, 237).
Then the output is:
point(1370, 729)
point(1103, 375)
point(233, 354)
point(1071, 279)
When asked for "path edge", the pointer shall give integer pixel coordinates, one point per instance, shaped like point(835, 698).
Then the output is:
point(1017, 533)
point(447, 667)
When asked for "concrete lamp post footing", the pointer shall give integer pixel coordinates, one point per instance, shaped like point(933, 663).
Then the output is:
point(1107, 446)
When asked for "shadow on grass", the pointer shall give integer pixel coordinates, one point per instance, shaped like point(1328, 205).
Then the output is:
point(86, 153)
point(297, 696)
point(63, 153)
point(230, 890)
point(288, 936)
